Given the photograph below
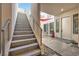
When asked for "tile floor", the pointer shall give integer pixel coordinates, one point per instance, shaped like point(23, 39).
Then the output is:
point(60, 47)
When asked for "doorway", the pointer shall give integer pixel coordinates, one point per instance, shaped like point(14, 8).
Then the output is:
point(66, 28)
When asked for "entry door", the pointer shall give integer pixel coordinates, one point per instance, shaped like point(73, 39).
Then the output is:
point(66, 28)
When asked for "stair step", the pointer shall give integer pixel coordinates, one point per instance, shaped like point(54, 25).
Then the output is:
point(22, 32)
point(25, 48)
point(16, 37)
point(22, 26)
point(55, 55)
point(22, 35)
point(20, 23)
point(21, 42)
point(35, 52)
point(22, 47)
point(23, 29)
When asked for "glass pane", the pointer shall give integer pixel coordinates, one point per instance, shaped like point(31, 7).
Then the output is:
point(52, 27)
point(45, 27)
point(57, 25)
point(75, 24)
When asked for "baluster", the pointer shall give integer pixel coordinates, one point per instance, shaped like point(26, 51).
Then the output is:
point(3, 43)
point(8, 32)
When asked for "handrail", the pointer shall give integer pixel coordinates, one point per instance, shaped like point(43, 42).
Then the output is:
point(4, 39)
point(36, 29)
point(5, 25)
point(36, 22)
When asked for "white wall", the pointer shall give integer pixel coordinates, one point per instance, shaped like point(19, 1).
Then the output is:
point(65, 14)
point(67, 28)
point(57, 34)
point(35, 11)
point(8, 12)
point(0, 25)
point(14, 16)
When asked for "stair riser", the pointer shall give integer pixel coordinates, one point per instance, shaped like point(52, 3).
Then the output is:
point(22, 23)
point(37, 54)
point(23, 37)
point(13, 45)
point(19, 21)
point(23, 29)
point(22, 33)
point(14, 53)
point(22, 26)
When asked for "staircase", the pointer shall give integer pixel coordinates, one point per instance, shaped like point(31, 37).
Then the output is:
point(24, 42)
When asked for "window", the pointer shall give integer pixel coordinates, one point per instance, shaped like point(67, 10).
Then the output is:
point(45, 27)
point(57, 25)
point(75, 24)
point(52, 27)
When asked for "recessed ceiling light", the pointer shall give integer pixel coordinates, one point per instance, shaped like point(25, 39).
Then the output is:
point(62, 9)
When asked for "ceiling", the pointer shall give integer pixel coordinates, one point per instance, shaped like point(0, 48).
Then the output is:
point(55, 8)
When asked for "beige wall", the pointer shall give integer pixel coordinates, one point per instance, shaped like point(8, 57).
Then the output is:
point(35, 22)
point(69, 14)
point(59, 33)
point(14, 16)
point(67, 28)
point(5, 15)
point(0, 26)
point(8, 12)
point(35, 10)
